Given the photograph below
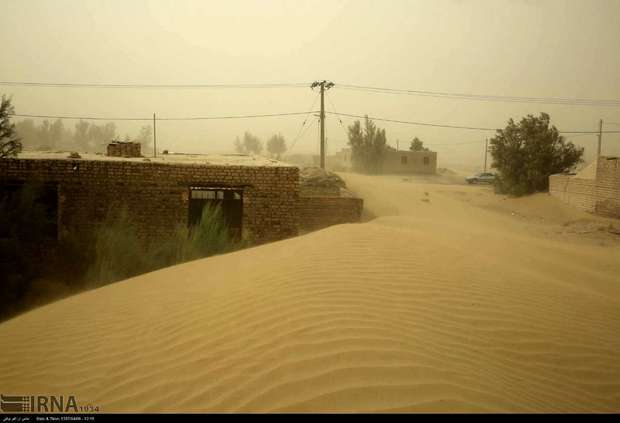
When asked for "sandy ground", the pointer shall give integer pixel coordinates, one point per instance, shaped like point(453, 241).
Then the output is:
point(451, 299)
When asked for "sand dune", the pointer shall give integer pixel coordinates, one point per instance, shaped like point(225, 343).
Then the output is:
point(452, 299)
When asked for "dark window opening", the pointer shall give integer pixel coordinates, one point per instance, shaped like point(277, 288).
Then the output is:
point(403, 160)
point(230, 201)
point(426, 161)
point(29, 211)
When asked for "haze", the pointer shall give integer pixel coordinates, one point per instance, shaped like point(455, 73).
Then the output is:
point(547, 48)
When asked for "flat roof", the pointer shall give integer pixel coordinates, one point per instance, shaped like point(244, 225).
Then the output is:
point(171, 158)
point(410, 152)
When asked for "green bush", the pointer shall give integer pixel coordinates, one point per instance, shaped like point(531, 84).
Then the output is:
point(528, 152)
point(112, 252)
point(120, 252)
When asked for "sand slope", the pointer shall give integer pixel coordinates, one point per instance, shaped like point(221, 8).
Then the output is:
point(438, 305)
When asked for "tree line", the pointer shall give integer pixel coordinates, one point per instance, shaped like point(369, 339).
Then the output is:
point(83, 137)
point(54, 135)
point(251, 144)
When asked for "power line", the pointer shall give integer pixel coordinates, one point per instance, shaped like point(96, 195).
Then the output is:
point(413, 123)
point(301, 135)
point(303, 124)
point(485, 97)
point(75, 117)
point(457, 143)
point(169, 119)
point(438, 125)
point(165, 86)
point(346, 134)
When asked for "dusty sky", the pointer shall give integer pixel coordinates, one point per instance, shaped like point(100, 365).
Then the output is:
point(544, 48)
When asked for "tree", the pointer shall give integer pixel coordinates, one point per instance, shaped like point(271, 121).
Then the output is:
point(276, 145)
point(367, 146)
point(44, 131)
point(56, 133)
point(27, 131)
point(10, 144)
point(417, 145)
point(528, 152)
point(81, 136)
point(251, 144)
point(145, 138)
point(101, 135)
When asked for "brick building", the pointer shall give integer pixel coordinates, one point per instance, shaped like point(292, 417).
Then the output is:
point(124, 149)
point(258, 196)
point(595, 189)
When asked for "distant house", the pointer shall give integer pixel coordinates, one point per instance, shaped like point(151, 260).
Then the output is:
point(395, 161)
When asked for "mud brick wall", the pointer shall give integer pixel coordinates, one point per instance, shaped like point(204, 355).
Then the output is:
point(124, 149)
point(579, 193)
point(156, 195)
point(318, 191)
point(321, 212)
point(608, 187)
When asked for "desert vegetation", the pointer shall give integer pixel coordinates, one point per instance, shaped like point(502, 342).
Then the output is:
point(368, 144)
point(10, 143)
point(84, 137)
point(276, 146)
point(251, 144)
point(417, 145)
point(54, 135)
point(528, 152)
point(33, 262)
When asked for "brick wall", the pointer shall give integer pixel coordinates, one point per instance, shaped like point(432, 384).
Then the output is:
point(320, 212)
point(608, 187)
point(319, 191)
point(124, 149)
point(577, 192)
point(597, 193)
point(156, 195)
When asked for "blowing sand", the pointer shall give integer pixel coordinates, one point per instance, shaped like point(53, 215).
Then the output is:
point(452, 299)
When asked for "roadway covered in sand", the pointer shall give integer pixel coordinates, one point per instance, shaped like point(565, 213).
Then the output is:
point(448, 298)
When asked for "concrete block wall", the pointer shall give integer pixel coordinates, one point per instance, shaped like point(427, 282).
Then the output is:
point(608, 187)
point(579, 193)
point(156, 195)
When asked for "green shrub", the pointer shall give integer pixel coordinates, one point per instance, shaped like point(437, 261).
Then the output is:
point(112, 252)
point(120, 252)
point(528, 152)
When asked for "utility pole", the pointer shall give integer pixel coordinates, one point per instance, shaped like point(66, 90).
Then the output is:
point(486, 151)
point(154, 136)
point(324, 85)
point(600, 138)
point(396, 145)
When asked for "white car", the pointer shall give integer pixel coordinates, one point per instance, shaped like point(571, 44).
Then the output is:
point(479, 178)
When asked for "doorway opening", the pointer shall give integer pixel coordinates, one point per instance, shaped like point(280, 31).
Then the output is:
point(30, 210)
